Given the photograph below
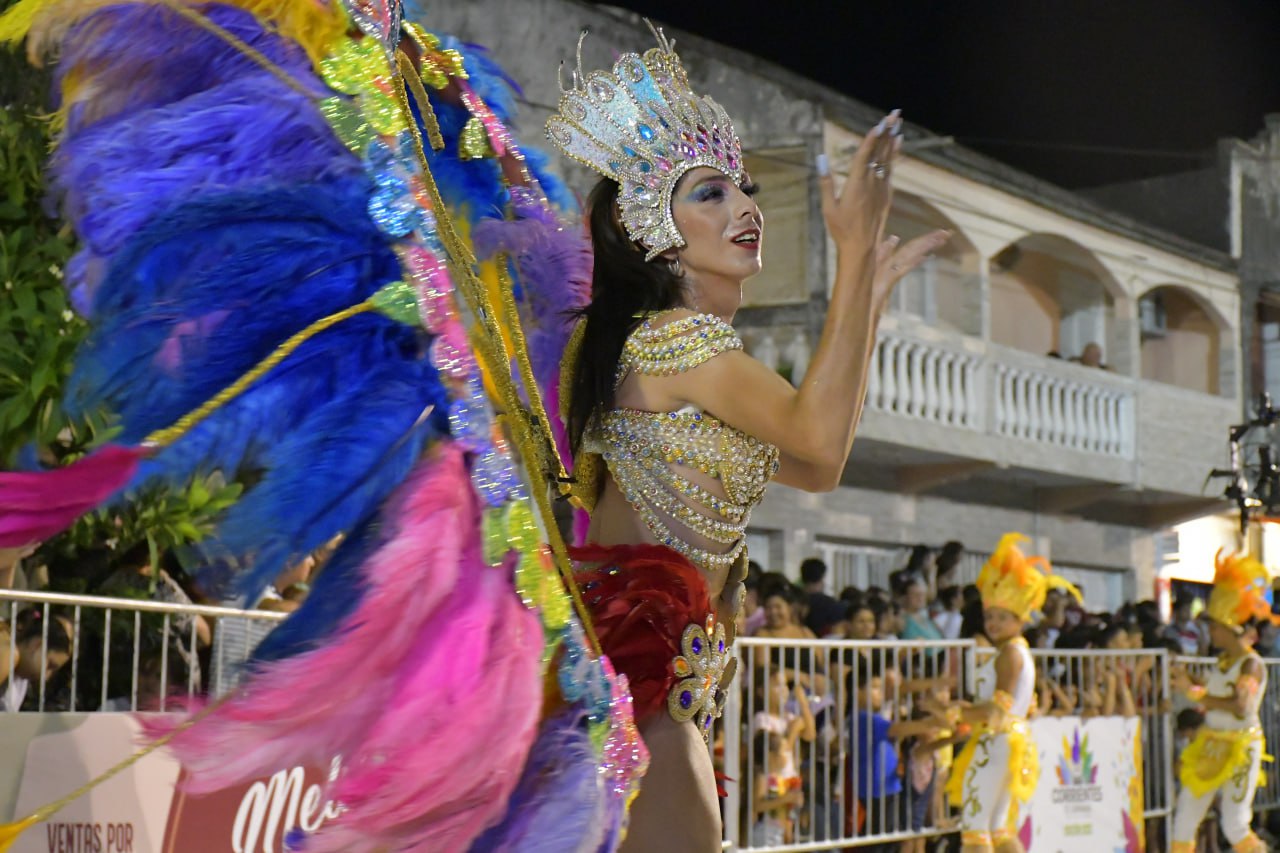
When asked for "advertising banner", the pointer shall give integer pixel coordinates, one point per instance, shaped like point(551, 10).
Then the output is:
point(1090, 794)
point(145, 810)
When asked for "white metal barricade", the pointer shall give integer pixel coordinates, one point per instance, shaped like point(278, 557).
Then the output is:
point(822, 699)
point(152, 640)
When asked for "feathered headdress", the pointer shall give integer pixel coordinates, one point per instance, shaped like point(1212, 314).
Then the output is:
point(1015, 582)
point(642, 126)
point(1241, 591)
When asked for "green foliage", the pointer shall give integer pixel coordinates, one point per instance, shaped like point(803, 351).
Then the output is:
point(153, 522)
point(38, 331)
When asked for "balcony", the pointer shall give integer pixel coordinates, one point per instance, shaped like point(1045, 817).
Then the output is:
point(952, 414)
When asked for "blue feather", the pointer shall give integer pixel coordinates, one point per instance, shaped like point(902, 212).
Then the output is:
point(335, 594)
point(330, 475)
point(204, 293)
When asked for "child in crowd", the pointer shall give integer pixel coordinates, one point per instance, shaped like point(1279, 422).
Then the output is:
point(873, 801)
point(791, 722)
point(776, 796)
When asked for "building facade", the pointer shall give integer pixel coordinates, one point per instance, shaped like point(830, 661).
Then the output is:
point(980, 418)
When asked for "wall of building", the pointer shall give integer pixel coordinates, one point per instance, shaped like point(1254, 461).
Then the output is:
point(794, 522)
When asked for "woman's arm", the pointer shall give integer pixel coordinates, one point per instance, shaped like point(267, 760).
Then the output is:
point(813, 426)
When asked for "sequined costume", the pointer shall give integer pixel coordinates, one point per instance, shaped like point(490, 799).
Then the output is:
point(693, 480)
point(1224, 760)
point(999, 766)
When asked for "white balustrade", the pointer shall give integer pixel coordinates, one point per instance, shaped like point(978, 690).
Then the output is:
point(1057, 405)
point(1049, 408)
point(921, 380)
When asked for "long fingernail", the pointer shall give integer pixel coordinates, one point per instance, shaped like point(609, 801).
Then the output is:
point(895, 113)
point(878, 129)
point(821, 164)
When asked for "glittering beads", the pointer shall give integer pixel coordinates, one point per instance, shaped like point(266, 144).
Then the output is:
point(699, 668)
point(653, 455)
point(676, 346)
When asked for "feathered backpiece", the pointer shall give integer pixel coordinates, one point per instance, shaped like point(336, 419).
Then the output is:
point(311, 250)
point(1241, 590)
point(1012, 581)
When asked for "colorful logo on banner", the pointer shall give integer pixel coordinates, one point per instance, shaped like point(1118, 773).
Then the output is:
point(1075, 765)
point(1092, 800)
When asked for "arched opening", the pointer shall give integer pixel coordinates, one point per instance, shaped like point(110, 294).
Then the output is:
point(1051, 296)
point(943, 291)
point(1180, 340)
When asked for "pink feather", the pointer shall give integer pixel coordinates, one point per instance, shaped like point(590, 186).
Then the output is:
point(439, 663)
point(35, 505)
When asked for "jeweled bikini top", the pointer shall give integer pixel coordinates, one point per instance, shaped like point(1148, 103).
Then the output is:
point(686, 473)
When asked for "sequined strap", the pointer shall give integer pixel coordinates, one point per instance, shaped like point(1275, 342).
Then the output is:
point(677, 346)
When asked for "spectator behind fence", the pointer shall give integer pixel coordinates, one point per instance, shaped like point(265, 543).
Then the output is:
point(888, 620)
point(946, 564)
point(776, 798)
point(879, 808)
point(782, 709)
point(825, 613)
point(780, 622)
point(25, 653)
point(913, 598)
point(949, 618)
point(12, 575)
point(1184, 628)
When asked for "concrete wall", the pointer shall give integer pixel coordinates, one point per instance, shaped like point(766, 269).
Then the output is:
point(797, 520)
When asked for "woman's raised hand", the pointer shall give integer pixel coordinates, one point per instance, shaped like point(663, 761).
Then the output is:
point(856, 217)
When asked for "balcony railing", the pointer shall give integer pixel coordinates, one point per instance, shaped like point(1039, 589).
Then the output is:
point(966, 383)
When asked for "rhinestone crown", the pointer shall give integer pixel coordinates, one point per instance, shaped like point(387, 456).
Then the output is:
point(642, 126)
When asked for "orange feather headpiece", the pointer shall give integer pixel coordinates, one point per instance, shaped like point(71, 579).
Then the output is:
point(1241, 591)
point(1015, 582)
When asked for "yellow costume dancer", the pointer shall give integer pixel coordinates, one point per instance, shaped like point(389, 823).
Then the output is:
point(1227, 753)
point(999, 765)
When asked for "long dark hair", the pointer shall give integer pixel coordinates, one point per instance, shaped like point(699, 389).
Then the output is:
point(623, 285)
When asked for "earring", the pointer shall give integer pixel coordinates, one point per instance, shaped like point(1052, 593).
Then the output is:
point(674, 266)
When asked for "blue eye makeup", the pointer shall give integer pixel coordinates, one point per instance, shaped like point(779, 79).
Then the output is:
point(709, 191)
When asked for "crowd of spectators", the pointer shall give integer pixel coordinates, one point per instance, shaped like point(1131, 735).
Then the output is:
point(888, 712)
point(145, 662)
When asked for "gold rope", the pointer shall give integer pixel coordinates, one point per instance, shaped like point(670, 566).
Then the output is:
point(536, 404)
point(472, 289)
point(184, 424)
point(424, 103)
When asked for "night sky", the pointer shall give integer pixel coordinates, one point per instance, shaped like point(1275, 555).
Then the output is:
point(1080, 93)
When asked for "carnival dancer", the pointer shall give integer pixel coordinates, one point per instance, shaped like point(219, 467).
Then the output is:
point(1226, 755)
point(998, 767)
point(677, 430)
